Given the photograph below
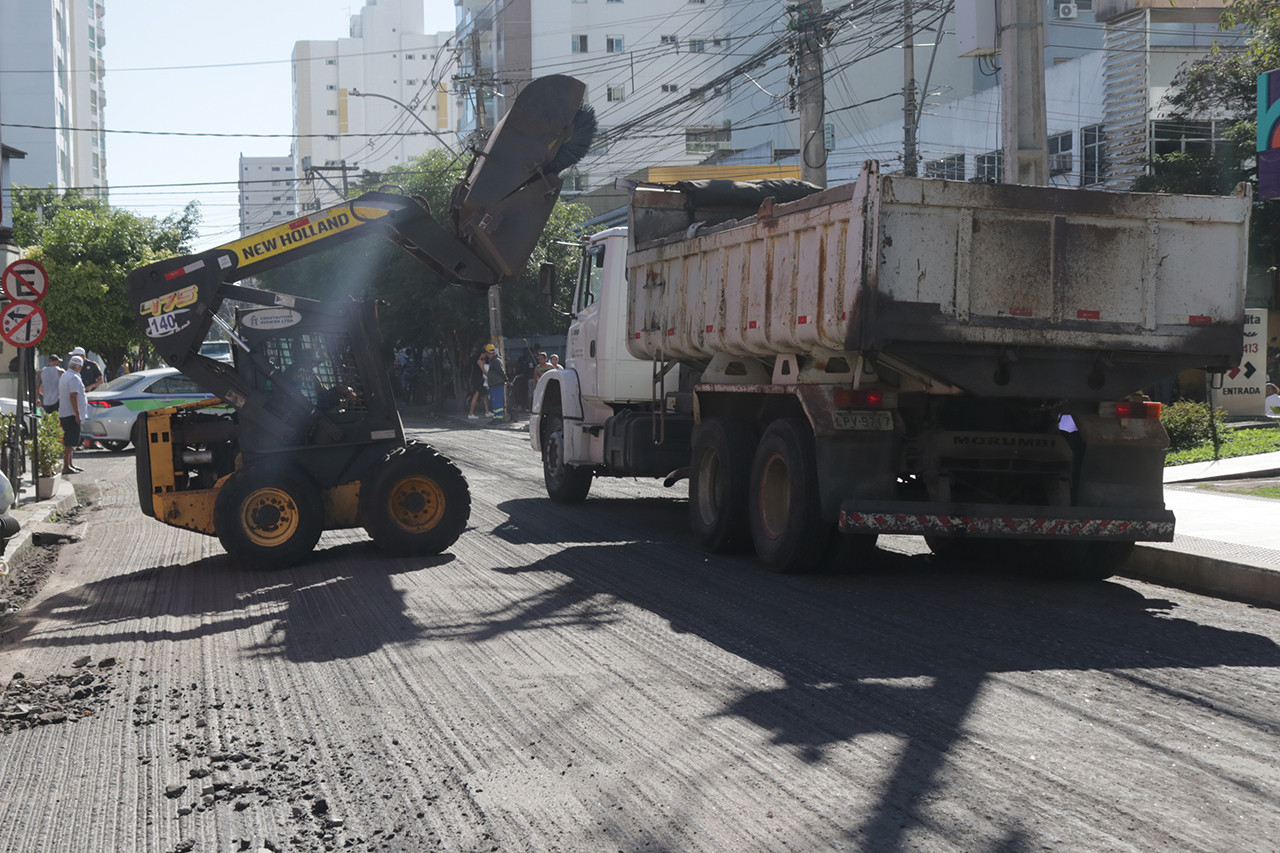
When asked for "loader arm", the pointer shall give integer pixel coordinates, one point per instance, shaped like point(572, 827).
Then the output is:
point(499, 210)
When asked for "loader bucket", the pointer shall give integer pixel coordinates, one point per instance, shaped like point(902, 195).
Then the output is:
point(504, 202)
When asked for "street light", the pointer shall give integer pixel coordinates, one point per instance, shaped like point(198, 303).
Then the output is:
point(356, 93)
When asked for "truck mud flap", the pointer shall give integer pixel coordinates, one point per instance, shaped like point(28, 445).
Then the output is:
point(1003, 521)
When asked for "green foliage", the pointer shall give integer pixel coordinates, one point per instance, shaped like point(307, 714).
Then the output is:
point(1224, 85)
point(49, 444)
point(1237, 442)
point(1188, 424)
point(89, 248)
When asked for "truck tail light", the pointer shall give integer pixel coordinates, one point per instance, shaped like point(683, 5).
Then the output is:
point(1131, 409)
point(846, 398)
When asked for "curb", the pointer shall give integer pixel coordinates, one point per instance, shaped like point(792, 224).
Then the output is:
point(32, 514)
point(1204, 574)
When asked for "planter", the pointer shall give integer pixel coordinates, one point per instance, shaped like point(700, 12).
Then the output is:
point(45, 487)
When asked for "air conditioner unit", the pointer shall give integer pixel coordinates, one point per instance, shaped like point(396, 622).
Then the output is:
point(1067, 11)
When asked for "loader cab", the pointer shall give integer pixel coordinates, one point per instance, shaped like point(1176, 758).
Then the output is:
point(331, 359)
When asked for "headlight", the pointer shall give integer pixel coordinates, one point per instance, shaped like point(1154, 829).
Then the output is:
point(6, 494)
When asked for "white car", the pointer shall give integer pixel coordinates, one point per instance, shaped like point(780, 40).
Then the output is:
point(114, 407)
point(217, 350)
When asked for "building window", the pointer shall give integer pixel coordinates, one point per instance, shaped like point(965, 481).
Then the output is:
point(576, 182)
point(707, 140)
point(669, 40)
point(275, 168)
point(989, 168)
point(1092, 148)
point(613, 44)
point(1202, 138)
point(579, 44)
point(409, 56)
point(1061, 159)
point(616, 93)
point(670, 88)
point(331, 112)
point(331, 62)
point(948, 168)
point(697, 45)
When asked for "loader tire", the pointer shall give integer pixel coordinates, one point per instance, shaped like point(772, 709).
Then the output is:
point(418, 503)
point(566, 484)
point(718, 477)
point(268, 519)
point(787, 529)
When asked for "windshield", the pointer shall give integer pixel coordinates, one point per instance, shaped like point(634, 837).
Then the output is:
point(213, 349)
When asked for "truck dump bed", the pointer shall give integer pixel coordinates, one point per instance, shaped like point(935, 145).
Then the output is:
point(995, 289)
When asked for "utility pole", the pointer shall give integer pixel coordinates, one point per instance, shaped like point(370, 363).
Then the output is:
point(812, 94)
point(1023, 124)
point(910, 158)
point(476, 76)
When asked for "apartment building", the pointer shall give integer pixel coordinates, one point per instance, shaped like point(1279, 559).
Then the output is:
point(373, 100)
point(268, 192)
point(51, 92)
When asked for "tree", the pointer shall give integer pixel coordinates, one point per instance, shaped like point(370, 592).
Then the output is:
point(88, 248)
point(1224, 84)
point(434, 321)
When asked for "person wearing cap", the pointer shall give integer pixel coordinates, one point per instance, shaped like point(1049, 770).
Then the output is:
point(90, 374)
point(497, 380)
point(73, 407)
point(47, 386)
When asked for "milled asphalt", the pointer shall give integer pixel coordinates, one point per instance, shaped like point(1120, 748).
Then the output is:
point(1226, 545)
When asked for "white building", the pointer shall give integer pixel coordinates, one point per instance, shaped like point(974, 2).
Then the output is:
point(268, 192)
point(371, 101)
point(51, 92)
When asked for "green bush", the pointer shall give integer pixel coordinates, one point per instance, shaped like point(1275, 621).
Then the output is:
point(1188, 424)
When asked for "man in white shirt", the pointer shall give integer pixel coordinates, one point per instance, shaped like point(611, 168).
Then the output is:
point(73, 406)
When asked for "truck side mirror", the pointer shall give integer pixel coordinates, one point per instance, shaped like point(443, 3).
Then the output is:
point(547, 282)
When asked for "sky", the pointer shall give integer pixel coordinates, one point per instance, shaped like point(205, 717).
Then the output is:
point(187, 67)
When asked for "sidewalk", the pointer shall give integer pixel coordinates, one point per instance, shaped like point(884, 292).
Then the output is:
point(1226, 545)
point(31, 515)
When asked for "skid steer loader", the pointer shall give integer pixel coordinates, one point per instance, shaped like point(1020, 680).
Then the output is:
point(305, 435)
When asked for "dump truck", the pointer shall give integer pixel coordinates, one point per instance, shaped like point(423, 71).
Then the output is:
point(304, 434)
point(956, 360)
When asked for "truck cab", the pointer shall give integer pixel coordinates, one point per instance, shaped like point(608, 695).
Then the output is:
point(605, 409)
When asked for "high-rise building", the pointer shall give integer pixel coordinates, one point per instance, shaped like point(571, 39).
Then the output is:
point(371, 101)
point(268, 192)
point(51, 92)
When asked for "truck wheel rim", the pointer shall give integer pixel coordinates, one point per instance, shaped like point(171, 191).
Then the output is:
point(416, 504)
point(775, 496)
point(269, 517)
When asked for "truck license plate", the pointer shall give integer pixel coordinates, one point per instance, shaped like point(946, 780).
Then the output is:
point(863, 420)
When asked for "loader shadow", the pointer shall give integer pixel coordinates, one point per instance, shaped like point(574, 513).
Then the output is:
point(333, 606)
point(904, 649)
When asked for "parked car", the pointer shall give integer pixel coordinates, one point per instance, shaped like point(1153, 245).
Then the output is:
point(217, 350)
point(114, 406)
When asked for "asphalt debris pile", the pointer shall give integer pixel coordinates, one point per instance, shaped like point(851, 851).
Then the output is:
point(59, 698)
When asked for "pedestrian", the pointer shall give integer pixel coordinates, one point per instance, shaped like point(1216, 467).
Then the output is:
point(1271, 406)
point(47, 385)
point(90, 374)
point(73, 408)
point(480, 384)
point(497, 384)
point(542, 367)
point(555, 361)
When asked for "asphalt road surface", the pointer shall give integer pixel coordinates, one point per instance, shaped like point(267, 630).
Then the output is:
point(583, 679)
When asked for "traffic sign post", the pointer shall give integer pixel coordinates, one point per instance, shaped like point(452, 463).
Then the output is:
point(23, 324)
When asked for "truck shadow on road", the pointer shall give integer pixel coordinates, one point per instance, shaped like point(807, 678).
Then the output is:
point(362, 611)
point(904, 650)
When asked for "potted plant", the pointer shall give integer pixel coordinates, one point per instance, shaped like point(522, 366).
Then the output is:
point(48, 442)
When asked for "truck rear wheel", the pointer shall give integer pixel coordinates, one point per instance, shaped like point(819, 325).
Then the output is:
point(787, 529)
point(418, 502)
point(566, 484)
point(718, 478)
point(268, 519)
